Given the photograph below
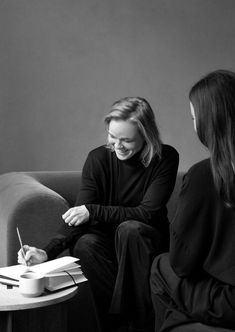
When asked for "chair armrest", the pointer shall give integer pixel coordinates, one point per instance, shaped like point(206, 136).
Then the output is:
point(65, 183)
point(33, 207)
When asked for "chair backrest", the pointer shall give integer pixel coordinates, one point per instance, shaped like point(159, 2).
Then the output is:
point(65, 183)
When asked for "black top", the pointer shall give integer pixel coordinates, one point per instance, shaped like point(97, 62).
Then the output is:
point(116, 190)
point(202, 234)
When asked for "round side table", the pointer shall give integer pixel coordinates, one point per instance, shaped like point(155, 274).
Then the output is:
point(45, 313)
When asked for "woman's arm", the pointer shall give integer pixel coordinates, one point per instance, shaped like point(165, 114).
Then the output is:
point(152, 204)
point(189, 230)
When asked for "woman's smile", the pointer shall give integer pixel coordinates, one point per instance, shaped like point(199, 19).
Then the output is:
point(125, 138)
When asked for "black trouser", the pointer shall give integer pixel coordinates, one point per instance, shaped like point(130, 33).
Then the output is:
point(117, 265)
point(180, 301)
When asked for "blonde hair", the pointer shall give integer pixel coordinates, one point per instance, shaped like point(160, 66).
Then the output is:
point(139, 111)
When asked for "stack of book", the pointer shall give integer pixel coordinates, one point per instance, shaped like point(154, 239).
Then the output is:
point(59, 273)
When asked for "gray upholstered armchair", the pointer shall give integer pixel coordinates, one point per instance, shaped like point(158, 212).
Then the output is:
point(35, 201)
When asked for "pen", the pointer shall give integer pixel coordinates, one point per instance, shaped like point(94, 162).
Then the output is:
point(21, 244)
point(9, 286)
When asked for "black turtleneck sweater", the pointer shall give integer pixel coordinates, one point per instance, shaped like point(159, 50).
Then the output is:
point(116, 190)
point(203, 230)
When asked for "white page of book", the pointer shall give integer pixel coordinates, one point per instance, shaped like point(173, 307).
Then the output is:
point(58, 264)
point(13, 271)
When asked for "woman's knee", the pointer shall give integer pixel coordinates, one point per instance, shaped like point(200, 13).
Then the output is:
point(157, 272)
point(163, 279)
point(129, 228)
point(85, 246)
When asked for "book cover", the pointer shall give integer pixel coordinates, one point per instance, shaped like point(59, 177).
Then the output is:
point(63, 280)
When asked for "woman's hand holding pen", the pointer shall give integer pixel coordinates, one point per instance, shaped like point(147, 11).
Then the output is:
point(76, 216)
point(31, 256)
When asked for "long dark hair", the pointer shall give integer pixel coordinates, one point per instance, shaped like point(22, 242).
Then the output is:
point(139, 111)
point(213, 99)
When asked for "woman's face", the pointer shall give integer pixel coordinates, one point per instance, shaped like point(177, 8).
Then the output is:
point(193, 116)
point(125, 138)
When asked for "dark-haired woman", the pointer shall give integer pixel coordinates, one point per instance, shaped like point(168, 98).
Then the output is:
point(196, 280)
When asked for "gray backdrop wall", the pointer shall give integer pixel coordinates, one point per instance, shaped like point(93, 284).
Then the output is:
point(64, 62)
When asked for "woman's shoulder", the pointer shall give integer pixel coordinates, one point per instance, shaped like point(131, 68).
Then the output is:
point(101, 150)
point(200, 176)
point(97, 160)
point(169, 154)
point(200, 168)
point(169, 149)
point(99, 154)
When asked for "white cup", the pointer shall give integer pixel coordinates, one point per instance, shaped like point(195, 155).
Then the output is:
point(31, 284)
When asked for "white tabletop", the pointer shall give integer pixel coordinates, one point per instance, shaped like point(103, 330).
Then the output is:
point(11, 299)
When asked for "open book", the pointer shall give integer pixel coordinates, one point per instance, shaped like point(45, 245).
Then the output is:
point(59, 273)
